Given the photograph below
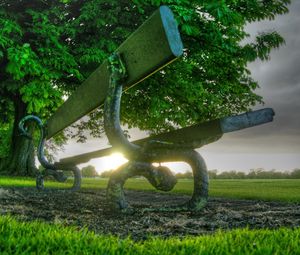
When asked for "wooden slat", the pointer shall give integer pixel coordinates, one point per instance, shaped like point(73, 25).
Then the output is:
point(195, 136)
point(153, 45)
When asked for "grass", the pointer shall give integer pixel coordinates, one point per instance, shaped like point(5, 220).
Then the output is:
point(276, 189)
point(18, 237)
point(40, 238)
point(287, 190)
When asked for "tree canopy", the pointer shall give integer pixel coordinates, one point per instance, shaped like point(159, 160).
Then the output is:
point(47, 48)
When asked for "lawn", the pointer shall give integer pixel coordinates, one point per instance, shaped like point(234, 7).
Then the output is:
point(276, 189)
point(40, 238)
point(17, 237)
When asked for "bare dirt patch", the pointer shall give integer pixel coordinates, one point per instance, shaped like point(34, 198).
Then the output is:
point(88, 208)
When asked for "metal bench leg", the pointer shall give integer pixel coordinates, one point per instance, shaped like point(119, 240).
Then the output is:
point(50, 169)
point(141, 157)
point(201, 182)
point(160, 177)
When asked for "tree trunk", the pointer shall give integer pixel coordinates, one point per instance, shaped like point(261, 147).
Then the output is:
point(21, 160)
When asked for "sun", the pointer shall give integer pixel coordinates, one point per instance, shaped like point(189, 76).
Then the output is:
point(115, 160)
point(108, 163)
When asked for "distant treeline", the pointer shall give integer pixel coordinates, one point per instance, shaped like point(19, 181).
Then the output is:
point(252, 174)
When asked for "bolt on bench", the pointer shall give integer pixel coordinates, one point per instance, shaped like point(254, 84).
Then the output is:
point(155, 44)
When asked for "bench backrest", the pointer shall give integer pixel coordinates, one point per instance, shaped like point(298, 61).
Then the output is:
point(153, 45)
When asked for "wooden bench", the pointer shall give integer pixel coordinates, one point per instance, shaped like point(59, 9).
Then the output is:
point(188, 138)
point(155, 44)
point(152, 46)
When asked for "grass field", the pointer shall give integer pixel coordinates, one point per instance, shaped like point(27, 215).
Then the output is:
point(18, 237)
point(41, 238)
point(276, 189)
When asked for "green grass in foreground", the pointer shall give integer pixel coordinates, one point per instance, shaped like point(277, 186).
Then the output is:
point(276, 189)
point(41, 238)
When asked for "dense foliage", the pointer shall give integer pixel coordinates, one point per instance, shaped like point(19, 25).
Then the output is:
point(47, 48)
point(211, 80)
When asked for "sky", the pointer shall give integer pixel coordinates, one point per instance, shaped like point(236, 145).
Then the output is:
point(274, 145)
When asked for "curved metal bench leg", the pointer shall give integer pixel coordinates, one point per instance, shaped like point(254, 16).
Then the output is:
point(76, 175)
point(59, 176)
point(154, 151)
point(160, 177)
point(201, 182)
point(39, 181)
point(50, 169)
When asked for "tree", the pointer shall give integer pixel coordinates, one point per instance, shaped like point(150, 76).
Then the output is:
point(35, 68)
point(295, 174)
point(89, 171)
point(213, 174)
point(48, 47)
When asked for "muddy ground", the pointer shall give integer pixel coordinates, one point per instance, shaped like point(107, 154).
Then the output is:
point(88, 208)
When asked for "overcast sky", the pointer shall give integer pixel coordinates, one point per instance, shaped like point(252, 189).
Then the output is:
point(274, 145)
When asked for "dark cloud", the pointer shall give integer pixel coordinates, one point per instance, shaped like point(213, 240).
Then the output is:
point(279, 78)
point(282, 71)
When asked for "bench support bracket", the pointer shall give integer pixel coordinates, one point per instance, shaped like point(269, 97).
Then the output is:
point(142, 157)
point(49, 169)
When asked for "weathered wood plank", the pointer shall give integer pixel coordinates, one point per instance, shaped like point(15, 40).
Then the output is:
point(153, 45)
point(194, 136)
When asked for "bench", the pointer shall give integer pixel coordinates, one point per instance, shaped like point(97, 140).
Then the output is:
point(155, 44)
point(152, 46)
